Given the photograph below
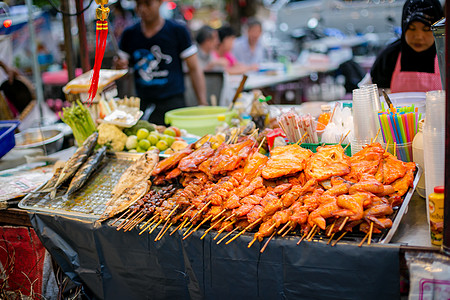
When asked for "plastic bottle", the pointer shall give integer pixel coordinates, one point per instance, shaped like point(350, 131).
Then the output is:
point(436, 210)
point(417, 148)
point(324, 117)
point(223, 126)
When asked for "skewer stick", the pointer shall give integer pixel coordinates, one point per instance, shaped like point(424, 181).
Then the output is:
point(125, 220)
point(218, 215)
point(229, 217)
point(170, 225)
point(129, 223)
point(370, 233)
point(212, 226)
point(161, 231)
point(331, 238)
point(343, 224)
point(192, 224)
point(185, 212)
point(223, 229)
point(150, 225)
point(262, 142)
point(378, 132)
point(227, 235)
point(251, 243)
point(331, 228)
point(300, 141)
point(267, 243)
point(284, 227)
point(286, 232)
point(137, 222)
point(149, 220)
point(300, 240)
point(245, 229)
point(186, 225)
point(179, 226)
point(363, 240)
point(387, 146)
point(126, 212)
point(346, 146)
point(134, 222)
point(339, 238)
point(173, 210)
point(198, 226)
point(201, 210)
point(159, 222)
point(311, 231)
point(313, 234)
point(343, 138)
point(395, 148)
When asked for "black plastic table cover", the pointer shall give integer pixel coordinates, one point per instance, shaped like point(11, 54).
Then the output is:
point(114, 264)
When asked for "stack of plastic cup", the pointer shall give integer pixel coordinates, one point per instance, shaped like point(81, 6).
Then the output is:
point(434, 141)
point(364, 119)
point(373, 89)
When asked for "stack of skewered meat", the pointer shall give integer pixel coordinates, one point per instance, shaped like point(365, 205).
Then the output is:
point(237, 188)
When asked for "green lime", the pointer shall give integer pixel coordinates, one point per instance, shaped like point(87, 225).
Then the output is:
point(142, 134)
point(132, 142)
point(132, 151)
point(140, 150)
point(169, 139)
point(152, 148)
point(153, 138)
point(162, 145)
point(144, 144)
point(170, 131)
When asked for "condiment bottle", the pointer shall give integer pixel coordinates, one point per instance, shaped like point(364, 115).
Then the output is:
point(436, 211)
point(324, 117)
point(223, 126)
point(417, 148)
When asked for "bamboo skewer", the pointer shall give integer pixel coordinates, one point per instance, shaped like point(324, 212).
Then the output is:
point(223, 229)
point(331, 228)
point(200, 211)
point(262, 142)
point(343, 138)
point(376, 136)
point(198, 226)
point(301, 239)
point(289, 229)
point(347, 146)
point(149, 220)
point(179, 226)
point(251, 243)
point(339, 238)
point(173, 210)
point(331, 238)
point(212, 226)
point(137, 222)
point(227, 235)
point(267, 243)
point(145, 229)
point(192, 224)
point(159, 222)
point(124, 221)
point(229, 217)
point(363, 240)
point(186, 211)
point(311, 231)
point(218, 215)
point(300, 141)
point(161, 231)
point(245, 229)
point(284, 227)
point(370, 233)
point(170, 225)
point(126, 212)
point(387, 146)
point(343, 224)
point(131, 222)
point(313, 234)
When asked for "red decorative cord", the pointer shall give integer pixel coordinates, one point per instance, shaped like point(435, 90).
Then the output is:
point(100, 36)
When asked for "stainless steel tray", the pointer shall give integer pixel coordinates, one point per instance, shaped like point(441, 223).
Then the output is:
point(89, 201)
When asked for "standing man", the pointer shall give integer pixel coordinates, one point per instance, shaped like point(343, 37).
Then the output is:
point(248, 48)
point(156, 48)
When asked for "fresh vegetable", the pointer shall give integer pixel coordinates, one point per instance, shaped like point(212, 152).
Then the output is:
point(112, 136)
point(132, 142)
point(80, 120)
point(140, 124)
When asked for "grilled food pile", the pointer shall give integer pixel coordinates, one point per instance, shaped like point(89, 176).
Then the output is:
point(236, 188)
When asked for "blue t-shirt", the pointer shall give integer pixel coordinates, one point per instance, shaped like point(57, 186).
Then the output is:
point(157, 60)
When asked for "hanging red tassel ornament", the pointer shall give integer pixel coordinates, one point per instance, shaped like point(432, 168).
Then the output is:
point(100, 36)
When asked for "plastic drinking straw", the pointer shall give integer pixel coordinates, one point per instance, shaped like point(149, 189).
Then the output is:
point(391, 126)
point(382, 126)
point(388, 133)
point(405, 125)
point(395, 128)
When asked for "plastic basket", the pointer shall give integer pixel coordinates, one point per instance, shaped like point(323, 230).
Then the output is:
point(7, 141)
point(313, 147)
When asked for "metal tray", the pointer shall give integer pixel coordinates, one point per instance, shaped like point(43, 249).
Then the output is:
point(89, 201)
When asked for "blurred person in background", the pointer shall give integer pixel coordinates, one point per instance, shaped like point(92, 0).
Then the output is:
point(410, 64)
point(233, 66)
point(208, 40)
point(156, 48)
point(248, 48)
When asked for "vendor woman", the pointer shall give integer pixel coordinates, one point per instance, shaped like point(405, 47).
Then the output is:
point(410, 64)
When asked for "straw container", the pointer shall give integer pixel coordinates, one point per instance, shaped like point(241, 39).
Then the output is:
point(402, 151)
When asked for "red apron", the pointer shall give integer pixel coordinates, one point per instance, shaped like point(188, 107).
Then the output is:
point(415, 81)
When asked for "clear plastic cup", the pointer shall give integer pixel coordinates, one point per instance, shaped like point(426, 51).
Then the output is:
point(402, 151)
point(435, 113)
point(365, 123)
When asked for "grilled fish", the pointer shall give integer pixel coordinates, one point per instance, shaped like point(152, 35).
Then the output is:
point(85, 171)
point(139, 171)
point(75, 161)
point(50, 183)
point(129, 196)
